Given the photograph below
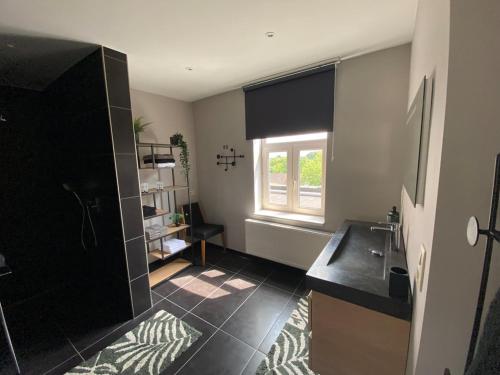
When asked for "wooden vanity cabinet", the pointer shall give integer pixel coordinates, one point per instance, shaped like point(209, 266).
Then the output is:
point(347, 339)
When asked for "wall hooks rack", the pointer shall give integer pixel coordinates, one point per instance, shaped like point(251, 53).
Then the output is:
point(228, 159)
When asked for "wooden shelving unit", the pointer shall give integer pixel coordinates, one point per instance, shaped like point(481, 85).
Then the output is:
point(169, 232)
point(165, 264)
point(164, 190)
point(166, 272)
point(158, 254)
point(159, 213)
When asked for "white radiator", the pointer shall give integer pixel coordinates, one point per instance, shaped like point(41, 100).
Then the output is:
point(287, 244)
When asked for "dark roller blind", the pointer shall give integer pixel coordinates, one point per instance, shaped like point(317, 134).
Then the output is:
point(295, 104)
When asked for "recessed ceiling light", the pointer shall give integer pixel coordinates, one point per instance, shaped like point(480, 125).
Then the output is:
point(270, 34)
point(10, 45)
point(189, 68)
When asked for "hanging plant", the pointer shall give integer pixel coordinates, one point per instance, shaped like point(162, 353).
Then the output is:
point(140, 126)
point(178, 140)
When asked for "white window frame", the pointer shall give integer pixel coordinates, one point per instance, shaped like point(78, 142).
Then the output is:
point(293, 153)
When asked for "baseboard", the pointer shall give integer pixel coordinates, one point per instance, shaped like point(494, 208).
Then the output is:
point(276, 262)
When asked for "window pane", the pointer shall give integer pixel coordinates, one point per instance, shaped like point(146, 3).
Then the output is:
point(310, 179)
point(277, 178)
point(297, 138)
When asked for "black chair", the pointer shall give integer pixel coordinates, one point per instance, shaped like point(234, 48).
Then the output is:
point(201, 230)
point(4, 271)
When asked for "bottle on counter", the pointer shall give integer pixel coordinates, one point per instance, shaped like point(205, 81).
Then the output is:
point(393, 215)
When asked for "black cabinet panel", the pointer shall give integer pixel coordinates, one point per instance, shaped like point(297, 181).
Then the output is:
point(123, 131)
point(141, 294)
point(136, 257)
point(117, 82)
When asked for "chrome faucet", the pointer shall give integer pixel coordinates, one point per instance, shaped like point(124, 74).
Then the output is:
point(394, 229)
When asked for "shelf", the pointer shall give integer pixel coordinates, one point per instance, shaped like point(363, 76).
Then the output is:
point(160, 145)
point(157, 252)
point(170, 231)
point(158, 214)
point(167, 271)
point(155, 168)
point(167, 189)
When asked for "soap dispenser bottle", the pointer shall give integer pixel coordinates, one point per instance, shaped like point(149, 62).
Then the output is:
point(393, 215)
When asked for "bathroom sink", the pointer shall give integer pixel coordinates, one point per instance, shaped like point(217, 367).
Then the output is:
point(346, 269)
point(357, 253)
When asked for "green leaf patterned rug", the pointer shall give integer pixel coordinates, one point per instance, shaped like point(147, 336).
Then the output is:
point(148, 349)
point(290, 353)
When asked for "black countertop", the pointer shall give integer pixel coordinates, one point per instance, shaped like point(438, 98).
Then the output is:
point(346, 269)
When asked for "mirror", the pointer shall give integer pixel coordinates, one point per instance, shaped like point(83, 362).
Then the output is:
point(416, 140)
point(472, 231)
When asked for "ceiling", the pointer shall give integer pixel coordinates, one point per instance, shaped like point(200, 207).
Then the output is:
point(223, 41)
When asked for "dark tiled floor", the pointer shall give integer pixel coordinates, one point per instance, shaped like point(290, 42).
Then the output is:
point(219, 306)
point(240, 305)
point(253, 363)
point(253, 320)
point(194, 292)
point(247, 311)
point(39, 346)
point(275, 330)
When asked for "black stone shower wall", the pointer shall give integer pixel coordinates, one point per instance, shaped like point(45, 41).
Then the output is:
point(37, 226)
point(53, 141)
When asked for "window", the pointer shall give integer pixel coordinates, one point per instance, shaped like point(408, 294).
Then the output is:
point(293, 173)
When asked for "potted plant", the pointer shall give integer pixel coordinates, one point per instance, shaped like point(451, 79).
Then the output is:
point(139, 127)
point(176, 218)
point(178, 140)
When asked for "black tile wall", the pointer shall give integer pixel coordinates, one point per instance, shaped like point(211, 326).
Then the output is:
point(82, 133)
point(115, 54)
point(81, 87)
point(128, 180)
point(141, 294)
point(123, 130)
point(132, 218)
point(117, 82)
point(136, 257)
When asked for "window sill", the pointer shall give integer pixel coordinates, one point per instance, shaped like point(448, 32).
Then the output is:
point(291, 217)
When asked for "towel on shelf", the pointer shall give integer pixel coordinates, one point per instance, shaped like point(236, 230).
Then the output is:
point(166, 165)
point(154, 231)
point(162, 160)
point(487, 358)
point(172, 245)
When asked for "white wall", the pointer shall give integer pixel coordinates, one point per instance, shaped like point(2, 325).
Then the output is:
point(225, 197)
point(168, 116)
point(460, 41)
point(429, 55)
point(363, 180)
